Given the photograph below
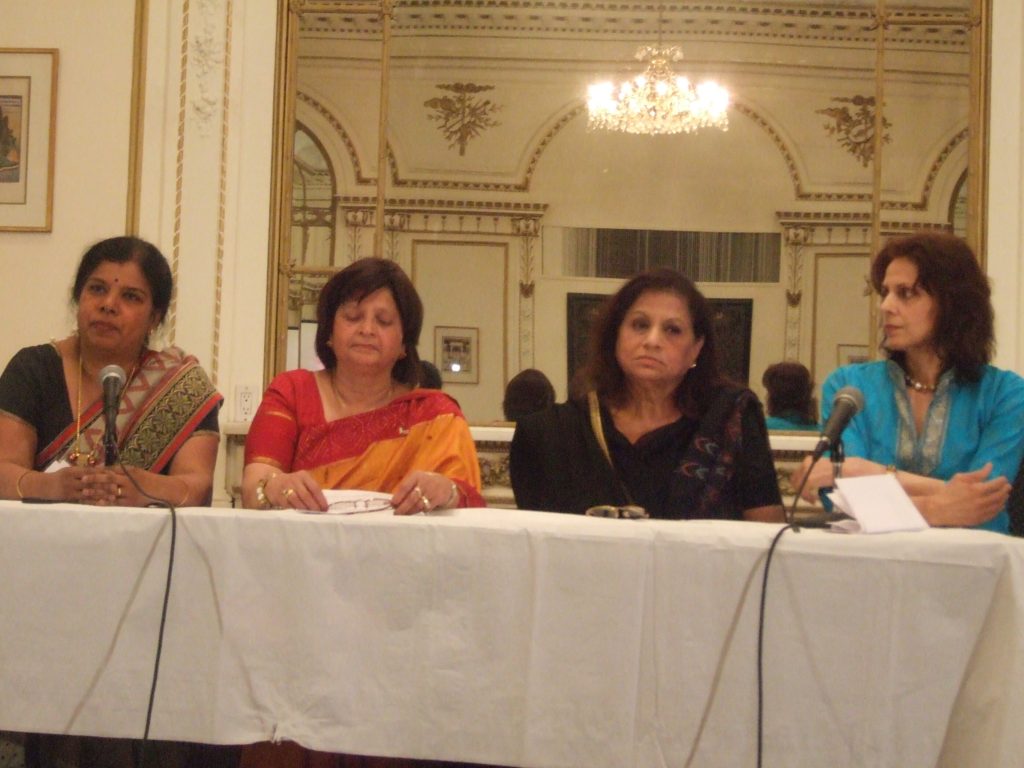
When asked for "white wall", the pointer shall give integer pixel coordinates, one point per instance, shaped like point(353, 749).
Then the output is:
point(94, 39)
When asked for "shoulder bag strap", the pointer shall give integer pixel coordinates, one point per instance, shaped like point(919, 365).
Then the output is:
point(598, 430)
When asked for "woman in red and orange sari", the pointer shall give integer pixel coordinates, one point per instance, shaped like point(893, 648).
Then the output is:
point(362, 422)
point(51, 399)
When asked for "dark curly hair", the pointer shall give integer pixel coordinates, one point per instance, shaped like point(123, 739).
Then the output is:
point(121, 250)
point(949, 272)
point(358, 280)
point(603, 372)
point(790, 389)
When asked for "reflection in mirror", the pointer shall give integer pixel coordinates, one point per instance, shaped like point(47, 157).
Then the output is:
point(314, 231)
point(503, 206)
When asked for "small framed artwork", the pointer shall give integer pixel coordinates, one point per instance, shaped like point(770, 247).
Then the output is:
point(457, 354)
point(28, 104)
point(847, 354)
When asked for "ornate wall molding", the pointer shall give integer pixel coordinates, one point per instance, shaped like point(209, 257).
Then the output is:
point(578, 109)
point(615, 19)
point(528, 230)
point(179, 165)
point(346, 140)
point(209, 50)
point(795, 238)
point(222, 189)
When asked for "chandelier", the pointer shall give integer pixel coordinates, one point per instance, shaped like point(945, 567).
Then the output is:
point(658, 100)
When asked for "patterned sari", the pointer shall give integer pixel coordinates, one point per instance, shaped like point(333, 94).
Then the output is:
point(167, 398)
point(372, 451)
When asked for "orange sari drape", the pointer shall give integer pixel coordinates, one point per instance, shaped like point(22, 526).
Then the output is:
point(422, 430)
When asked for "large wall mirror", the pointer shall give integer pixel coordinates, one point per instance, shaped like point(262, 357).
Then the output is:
point(511, 214)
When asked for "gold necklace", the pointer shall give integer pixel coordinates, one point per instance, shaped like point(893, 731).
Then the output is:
point(76, 455)
point(344, 403)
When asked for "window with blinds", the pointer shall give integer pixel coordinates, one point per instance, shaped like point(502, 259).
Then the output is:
point(704, 257)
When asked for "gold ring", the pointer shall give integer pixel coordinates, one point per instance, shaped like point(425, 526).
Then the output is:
point(426, 503)
point(288, 492)
point(419, 491)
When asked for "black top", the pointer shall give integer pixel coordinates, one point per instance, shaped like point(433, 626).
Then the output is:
point(33, 389)
point(557, 465)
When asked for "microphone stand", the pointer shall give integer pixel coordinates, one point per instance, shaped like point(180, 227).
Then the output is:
point(838, 457)
point(110, 441)
point(825, 518)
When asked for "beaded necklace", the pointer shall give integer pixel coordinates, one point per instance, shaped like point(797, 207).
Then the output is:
point(918, 386)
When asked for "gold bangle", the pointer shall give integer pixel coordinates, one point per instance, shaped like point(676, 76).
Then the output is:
point(187, 492)
point(261, 491)
point(454, 496)
point(17, 485)
point(890, 469)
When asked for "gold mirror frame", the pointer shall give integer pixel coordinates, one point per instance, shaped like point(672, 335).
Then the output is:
point(977, 19)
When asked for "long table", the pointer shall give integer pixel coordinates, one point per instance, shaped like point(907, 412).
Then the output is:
point(513, 637)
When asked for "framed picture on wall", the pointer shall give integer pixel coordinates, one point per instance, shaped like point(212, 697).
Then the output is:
point(732, 320)
point(28, 104)
point(457, 354)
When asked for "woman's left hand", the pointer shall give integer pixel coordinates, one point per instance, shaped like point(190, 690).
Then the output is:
point(423, 492)
point(106, 487)
point(966, 499)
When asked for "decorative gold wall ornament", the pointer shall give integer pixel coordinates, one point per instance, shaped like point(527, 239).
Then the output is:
point(796, 238)
point(462, 116)
point(855, 129)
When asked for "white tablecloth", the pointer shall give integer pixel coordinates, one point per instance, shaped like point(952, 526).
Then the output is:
point(515, 637)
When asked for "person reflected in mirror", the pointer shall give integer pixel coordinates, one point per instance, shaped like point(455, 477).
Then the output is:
point(529, 391)
point(937, 415)
point(656, 424)
point(51, 397)
point(362, 422)
point(791, 404)
point(430, 377)
point(52, 437)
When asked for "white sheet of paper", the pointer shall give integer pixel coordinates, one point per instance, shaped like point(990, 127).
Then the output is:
point(878, 504)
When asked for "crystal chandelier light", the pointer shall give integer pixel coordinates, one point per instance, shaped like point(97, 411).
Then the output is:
point(658, 100)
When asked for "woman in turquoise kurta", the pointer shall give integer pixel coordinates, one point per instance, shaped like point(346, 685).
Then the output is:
point(936, 413)
point(791, 405)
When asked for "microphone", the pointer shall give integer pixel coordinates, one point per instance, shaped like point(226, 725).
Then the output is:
point(112, 380)
point(847, 403)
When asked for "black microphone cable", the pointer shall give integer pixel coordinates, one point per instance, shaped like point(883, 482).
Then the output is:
point(760, 639)
point(791, 525)
point(144, 747)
